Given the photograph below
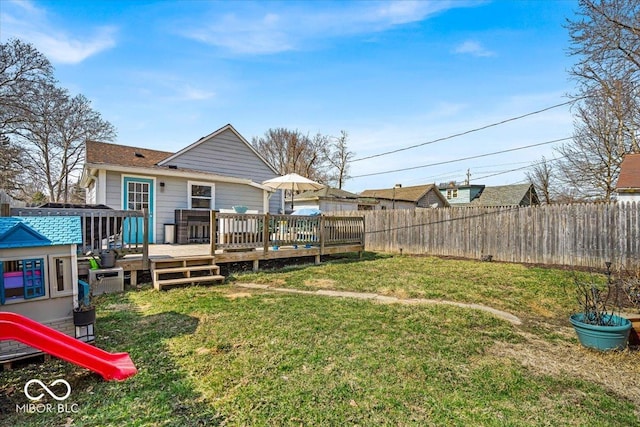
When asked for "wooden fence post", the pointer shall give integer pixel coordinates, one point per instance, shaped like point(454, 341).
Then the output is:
point(5, 209)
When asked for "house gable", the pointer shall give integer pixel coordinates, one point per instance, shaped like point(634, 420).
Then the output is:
point(224, 152)
point(629, 178)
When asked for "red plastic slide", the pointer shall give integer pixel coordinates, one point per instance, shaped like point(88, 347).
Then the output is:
point(112, 366)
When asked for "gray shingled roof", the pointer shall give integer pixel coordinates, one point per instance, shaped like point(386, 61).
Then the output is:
point(506, 195)
point(409, 194)
point(326, 192)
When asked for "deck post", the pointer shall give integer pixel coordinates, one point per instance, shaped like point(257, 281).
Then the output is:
point(256, 265)
point(266, 234)
point(212, 232)
point(145, 238)
point(322, 234)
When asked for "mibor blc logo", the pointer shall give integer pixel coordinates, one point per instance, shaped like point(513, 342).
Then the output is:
point(35, 390)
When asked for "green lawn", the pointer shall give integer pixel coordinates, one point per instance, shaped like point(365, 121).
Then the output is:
point(225, 355)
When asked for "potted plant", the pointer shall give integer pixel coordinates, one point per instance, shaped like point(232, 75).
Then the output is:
point(597, 325)
point(630, 284)
point(85, 313)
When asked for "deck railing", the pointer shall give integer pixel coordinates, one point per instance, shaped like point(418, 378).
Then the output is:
point(251, 231)
point(103, 229)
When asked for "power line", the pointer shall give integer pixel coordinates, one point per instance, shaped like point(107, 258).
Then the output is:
point(523, 167)
point(464, 158)
point(465, 132)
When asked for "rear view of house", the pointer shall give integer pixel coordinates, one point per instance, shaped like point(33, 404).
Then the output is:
point(219, 171)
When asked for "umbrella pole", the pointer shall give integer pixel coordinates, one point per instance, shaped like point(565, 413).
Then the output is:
point(292, 196)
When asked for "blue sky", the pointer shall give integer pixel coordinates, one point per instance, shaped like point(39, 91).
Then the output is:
point(392, 74)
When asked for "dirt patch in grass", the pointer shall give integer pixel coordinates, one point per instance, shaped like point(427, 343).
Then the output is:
point(615, 371)
point(321, 283)
point(238, 295)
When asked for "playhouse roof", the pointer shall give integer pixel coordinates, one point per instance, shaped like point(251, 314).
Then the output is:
point(20, 232)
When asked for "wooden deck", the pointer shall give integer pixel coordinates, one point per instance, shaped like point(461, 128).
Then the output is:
point(227, 237)
point(133, 263)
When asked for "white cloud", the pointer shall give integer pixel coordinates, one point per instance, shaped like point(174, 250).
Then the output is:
point(24, 20)
point(192, 94)
point(474, 48)
point(164, 86)
point(266, 32)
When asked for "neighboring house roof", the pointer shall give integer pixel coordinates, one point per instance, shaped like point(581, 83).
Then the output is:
point(212, 135)
point(326, 193)
point(629, 178)
point(507, 195)
point(408, 194)
point(39, 231)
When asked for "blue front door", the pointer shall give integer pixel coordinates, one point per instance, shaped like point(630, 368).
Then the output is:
point(137, 195)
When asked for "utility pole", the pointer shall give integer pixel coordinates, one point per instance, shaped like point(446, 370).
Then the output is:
point(468, 181)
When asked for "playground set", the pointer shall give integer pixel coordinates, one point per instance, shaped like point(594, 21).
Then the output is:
point(41, 297)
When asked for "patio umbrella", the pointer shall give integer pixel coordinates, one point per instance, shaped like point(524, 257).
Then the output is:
point(293, 182)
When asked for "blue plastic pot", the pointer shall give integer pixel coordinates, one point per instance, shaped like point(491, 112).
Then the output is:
point(602, 338)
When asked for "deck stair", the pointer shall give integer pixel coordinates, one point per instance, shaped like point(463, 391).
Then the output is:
point(184, 270)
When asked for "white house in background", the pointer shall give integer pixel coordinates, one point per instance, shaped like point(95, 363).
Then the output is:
point(219, 171)
point(327, 199)
point(628, 185)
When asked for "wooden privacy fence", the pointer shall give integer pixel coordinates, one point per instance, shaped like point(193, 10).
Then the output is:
point(583, 235)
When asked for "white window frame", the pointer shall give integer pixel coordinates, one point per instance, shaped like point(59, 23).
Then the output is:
point(67, 276)
point(452, 193)
point(190, 185)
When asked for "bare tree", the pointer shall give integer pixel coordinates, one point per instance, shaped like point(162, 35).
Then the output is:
point(22, 71)
point(54, 131)
point(293, 152)
point(591, 163)
point(543, 179)
point(339, 156)
point(606, 42)
point(13, 174)
point(44, 122)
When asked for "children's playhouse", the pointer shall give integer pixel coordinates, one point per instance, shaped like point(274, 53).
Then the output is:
point(38, 274)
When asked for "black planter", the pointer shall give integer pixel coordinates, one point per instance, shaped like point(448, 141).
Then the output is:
point(84, 317)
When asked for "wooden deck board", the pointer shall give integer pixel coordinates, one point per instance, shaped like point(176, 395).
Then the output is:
point(133, 262)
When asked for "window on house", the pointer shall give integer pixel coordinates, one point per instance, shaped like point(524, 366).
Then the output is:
point(22, 279)
point(452, 193)
point(60, 275)
point(138, 193)
point(201, 195)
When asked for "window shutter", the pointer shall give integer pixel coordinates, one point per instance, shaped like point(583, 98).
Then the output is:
point(33, 277)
